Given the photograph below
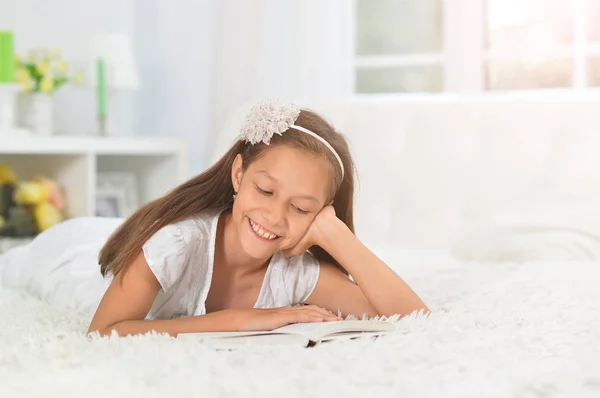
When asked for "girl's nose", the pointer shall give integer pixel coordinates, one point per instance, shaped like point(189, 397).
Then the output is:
point(275, 215)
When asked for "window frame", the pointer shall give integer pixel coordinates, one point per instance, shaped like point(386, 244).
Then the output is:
point(464, 57)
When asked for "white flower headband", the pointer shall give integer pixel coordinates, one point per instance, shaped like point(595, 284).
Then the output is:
point(271, 117)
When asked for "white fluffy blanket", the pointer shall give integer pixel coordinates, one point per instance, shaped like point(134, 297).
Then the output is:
point(498, 330)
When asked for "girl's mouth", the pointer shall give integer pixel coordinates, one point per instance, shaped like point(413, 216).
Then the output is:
point(261, 232)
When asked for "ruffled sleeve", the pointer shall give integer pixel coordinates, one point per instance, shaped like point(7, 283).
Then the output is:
point(167, 255)
point(300, 277)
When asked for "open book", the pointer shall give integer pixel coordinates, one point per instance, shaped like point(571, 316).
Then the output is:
point(304, 334)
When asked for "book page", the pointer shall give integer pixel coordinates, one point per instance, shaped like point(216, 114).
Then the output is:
point(257, 340)
point(223, 335)
point(308, 330)
point(318, 330)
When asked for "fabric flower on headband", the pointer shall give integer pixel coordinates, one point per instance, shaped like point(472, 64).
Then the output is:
point(268, 118)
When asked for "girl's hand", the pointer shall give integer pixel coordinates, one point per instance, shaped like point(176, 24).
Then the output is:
point(315, 232)
point(273, 318)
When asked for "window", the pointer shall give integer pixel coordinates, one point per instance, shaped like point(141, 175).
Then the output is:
point(476, 45)
point(537, 44)
point(399, 46)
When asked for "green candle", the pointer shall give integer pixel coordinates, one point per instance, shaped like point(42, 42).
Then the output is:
point(7, 57)
point(101, 88)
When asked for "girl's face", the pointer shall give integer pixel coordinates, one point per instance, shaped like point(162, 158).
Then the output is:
point(278, 197)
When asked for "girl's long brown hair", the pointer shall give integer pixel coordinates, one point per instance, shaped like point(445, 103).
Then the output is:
point(213, 190)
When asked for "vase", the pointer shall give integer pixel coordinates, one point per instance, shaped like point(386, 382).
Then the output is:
point(37, 113)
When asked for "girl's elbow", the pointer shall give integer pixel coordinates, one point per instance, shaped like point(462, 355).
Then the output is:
point(101, 330)
point(424, 311)
point(420, 310)
point(403, 311)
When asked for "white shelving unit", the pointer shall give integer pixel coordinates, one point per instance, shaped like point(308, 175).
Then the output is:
point(158, 164)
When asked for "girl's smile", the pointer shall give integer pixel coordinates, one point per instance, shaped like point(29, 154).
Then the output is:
point(261, 232)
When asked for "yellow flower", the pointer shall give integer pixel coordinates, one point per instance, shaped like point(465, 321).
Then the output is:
point(43, 68)
point(57, 52)
point(27, 85)
point(47, 85)
point(7, 175)
point(46, 216)
point(31, 193)
point(63, 66)
point(22, 75)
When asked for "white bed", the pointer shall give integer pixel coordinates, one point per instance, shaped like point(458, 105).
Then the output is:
point(489, 207)
point(527, 329)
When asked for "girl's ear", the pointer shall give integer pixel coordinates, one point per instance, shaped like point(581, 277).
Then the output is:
point(237, 172)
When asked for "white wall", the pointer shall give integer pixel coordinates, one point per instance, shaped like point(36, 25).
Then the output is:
point(69, 25)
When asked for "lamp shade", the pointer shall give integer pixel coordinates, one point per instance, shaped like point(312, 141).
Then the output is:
point(121, 72)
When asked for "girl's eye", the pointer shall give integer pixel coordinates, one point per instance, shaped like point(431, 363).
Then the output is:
point(299, 210)
point(262, 191)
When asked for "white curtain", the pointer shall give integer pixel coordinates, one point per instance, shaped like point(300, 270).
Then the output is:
point(174, 44)
point(286, 49)
point(281, 47)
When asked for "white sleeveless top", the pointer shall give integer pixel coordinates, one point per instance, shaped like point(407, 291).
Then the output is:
point(61, 267)
point(181, 255)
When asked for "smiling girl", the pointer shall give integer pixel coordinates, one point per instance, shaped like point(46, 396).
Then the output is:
point(239, 247)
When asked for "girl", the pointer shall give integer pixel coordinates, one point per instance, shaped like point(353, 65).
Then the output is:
point(266, 228)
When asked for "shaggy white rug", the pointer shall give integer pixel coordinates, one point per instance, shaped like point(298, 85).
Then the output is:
point(499, 330)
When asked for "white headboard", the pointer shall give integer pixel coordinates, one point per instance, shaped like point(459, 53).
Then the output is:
point(428, 165)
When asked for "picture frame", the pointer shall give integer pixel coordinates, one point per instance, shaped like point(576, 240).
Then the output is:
point(116, 194)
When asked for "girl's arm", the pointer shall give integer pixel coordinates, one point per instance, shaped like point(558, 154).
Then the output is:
point(378, 289)
point(127, 302)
